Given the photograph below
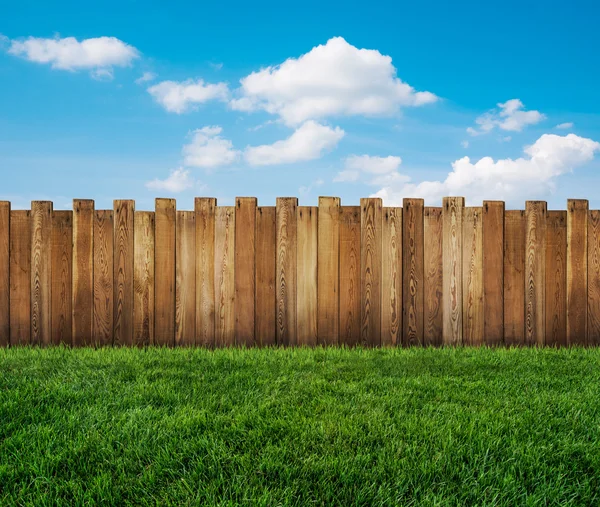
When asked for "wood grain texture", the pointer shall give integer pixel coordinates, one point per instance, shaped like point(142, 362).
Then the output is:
point(123, 243)
point(62, 288)
point(306, 301)
point(143, 278)
point(577, 271)
point(493, 272)
point(204, 208)
point(4, 273)
point(83, 271)
point(391, 277)
point(286, 270)
point(593, 281)
point(328, 271)
point(535, 272)
point(265, 321)
point(370, 270)
point(556, 278)
point(413, 287)
point(164, 275)
point(224, 276)
point(452, 245)
point(245, 265)
point(103, 278)
point(41, 272)
point(20, 277)
point(514, 277)
point(472, 272)
point(433, 322)
point(185, 281)
point(349, 285)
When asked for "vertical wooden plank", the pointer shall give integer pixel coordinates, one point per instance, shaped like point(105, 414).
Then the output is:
point(143, 278)
point(265, 322)
point(41, 272)
point(535, 262)
point(245, 238)
point(493, 272)
point(328, 271)
point(306, 303)
point(4, 273)
point(62, 293)
point(412, 272)
point(452, 245)
point(286, 270)
point(433, 271)
point(164, 276)
point(391, 277)
point(370, 270)
point(185, 283)
point(83, 271)
point(123, 271)
point(20, 277)
point(593, 282)
point(103, 278)
point(205, 270)
point(577, 291)
point(349, 309)
point(556, 278)
point(472, 273)
point(514, 277)
point(224, 276)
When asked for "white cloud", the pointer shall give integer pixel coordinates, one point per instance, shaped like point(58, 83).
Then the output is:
point(102, 74)
point(509, 116)
point(145, 77)
point(178, 181)
point(334, 79)
point(209, 150)
point(99, 54)
point(308, 142)
point(383, 169)
point(464, 144)
point(509, 179)
point(347, 175)
point(563, 126)
point(185, 96)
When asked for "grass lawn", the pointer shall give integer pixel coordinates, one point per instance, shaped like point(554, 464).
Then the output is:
point(300, 427)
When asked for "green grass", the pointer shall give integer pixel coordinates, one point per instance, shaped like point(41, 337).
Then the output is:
point(300, 427)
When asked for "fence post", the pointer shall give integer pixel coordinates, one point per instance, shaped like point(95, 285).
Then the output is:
point(4, 273)
point(472, 276)
point(577, 228)
point(205, 270)
point(62, 281)
point(306, 301)
point(493, 272)
point(535, 272)
point(433, 267)
point(556, 278)
point(144, 268)
point(413, 289)
point(123, 271)
point(452, 216)
point(41, 272)
point(286, 270)
point(83, 271)
point(245, 239)
point(265, 321)
point(370, 270)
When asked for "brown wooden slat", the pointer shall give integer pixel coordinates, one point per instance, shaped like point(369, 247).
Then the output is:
point(391, 277)
point(205, 270)
point(185, 283)
point(143, 279)
point(577, 291)
point(413, 289)
point(472, 272)
point(514, 277)
point(306, 301)
point(245, 239)
point(493, 272)
point(4, 273)
point(41, 272)
point(433, 271)
point(556, 278)
point(593, 282)
point(265, 321)
point(83, 271)
point(349, 309)
point(535, 273)
point(452, 216)
point(20, 277)
point(164, 275)
point(123, 244)
point(103, 278)
point(62, 289)
point(224, 276)
point(286, 270)
point(370, 270)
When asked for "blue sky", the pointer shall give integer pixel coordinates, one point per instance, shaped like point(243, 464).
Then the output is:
point(276, 100)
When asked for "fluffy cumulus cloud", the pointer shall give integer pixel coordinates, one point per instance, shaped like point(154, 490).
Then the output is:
point(509, 116)
point(181, 97)
point(209, 150)
point(334, 79)
point(178, 181)
point(381, 170)
point(310, 141)
point(99, 55)
point(509, 179)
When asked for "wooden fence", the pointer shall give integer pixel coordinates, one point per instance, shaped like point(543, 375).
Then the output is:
point(300, 275)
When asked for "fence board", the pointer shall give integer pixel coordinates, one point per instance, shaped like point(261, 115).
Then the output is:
point(286, 270)
point(224, 276)
point(123, 244)
point(103, 277)
point(556, 278)
point(412, 272)
point(83, 271)
point(62, 262)
point(328, 271)
point(514, 277)
point(205, 270)
point(535, 262)
point(472, 273)
point(306, 311)
point(143, 278)
point(265, 321)
point(452, 217)
point(370, 271)
point(4, 273)
point(391, 277)
point(593, 292)
point(185, 282)
point(41, 272)
point(20, 277)
point(577, 228)
point(493, 272)
point(245, 238)
point(164, 276)
point(349, 309)
point(433, 270)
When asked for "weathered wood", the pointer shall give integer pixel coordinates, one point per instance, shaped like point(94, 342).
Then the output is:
point(164, 276)
point(185, 283)
point(493, 272)
point(433, 272)
point(370, 270)
point(62, 293)
point(245, 239)
point(577, 291)
point(413, 288)
point(20, 277)
point(306, 311)
point(391, 277)
point(452, 245)
point(123, 244)
point(514, 277)
point(556, 278)
point(472, 273)
point(265, 321)
point(143, 279)
point(205, 270)
point(328, 309)
point(4, 273)
point(349, 309)
point(593, 281)
point(224, 276)
point(103, 277)
point(41, 272)
point(535, 273)
point(286, 270)
point(83, 271)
